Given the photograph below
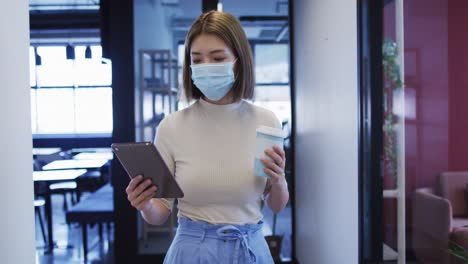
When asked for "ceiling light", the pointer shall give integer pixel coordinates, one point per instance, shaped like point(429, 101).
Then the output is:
point(88, 53)
point(70, 52)
point(38, 58)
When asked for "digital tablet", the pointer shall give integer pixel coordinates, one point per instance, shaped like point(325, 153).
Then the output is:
point(144, 159)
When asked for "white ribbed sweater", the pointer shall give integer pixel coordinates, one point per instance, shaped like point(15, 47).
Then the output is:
point(210, 150)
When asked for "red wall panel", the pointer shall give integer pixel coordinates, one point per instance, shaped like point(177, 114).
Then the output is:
point(436, 79)
point(458, 83)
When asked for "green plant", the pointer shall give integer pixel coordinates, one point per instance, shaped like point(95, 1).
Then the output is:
point(458, 251)
point(392, 82)
point(390, 64)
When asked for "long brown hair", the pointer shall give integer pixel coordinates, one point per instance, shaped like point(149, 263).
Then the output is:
point(226, 27)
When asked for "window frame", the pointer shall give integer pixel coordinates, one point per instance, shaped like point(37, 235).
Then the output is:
point(72, 134)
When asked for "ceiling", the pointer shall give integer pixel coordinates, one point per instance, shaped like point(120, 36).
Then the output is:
point(63, 5)
point(263, 20)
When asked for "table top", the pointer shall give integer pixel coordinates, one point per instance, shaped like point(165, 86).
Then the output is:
point(101, 200)
point(94, 156)
point(57, 175)
point(75, 164)
point(97, 207)
point(45, 151)
point(95, 150)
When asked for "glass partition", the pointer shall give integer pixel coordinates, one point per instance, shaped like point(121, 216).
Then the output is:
point(425, 147)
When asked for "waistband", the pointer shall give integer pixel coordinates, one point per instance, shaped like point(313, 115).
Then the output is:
point(225, 232)
point(185, 222)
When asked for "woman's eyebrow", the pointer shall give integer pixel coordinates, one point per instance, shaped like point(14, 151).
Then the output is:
point(216, 51)
point(211, 52)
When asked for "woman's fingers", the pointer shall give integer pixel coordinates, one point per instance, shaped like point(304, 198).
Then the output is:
point(142, 187)
point(279, 150)
point(275, 168)
point(139, 189)
point(276, 156)
point(138, 192)
point(272, 166)
point(144, 197)
point(275, 177)
point(134, 183)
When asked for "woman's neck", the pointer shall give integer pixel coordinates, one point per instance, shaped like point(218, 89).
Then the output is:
point(227, 99)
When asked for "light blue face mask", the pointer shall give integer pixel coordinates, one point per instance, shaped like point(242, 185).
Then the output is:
point(213, 79)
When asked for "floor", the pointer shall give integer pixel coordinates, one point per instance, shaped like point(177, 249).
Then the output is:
point(395, 262)
point(69, 244)
point(283, 228)
point(69, 241)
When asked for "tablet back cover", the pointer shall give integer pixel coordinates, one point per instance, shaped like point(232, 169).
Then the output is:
point(143, 158)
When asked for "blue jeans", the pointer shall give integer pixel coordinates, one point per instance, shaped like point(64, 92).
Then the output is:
point(198, 242)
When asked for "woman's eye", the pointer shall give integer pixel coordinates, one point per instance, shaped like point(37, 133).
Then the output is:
point(196, 61)
point(219, 59)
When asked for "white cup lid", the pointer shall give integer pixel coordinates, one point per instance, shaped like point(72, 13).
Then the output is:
point(272, 131)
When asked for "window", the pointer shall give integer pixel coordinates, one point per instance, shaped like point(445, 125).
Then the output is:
point(272, 77)
point(272, 63)
point(70, 96)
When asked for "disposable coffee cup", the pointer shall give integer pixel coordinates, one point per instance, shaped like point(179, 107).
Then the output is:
point(267, 137)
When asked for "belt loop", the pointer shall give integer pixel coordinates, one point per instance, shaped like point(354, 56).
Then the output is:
point(203, 235)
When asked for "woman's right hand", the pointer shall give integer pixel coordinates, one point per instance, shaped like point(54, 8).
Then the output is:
point(138, 193)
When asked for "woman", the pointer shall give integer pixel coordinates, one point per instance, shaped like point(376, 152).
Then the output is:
point(209, 148)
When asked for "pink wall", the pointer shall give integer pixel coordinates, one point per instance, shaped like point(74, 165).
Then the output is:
point(427, 93)
point(426, 98)
point(436, 73)
point(436, 78)
point(458, 83)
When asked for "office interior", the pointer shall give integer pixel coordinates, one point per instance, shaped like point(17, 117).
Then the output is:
point(371, 94)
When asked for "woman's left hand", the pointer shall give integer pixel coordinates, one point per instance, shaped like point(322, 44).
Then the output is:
point(276, 167)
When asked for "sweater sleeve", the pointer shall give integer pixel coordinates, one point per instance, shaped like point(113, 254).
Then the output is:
point(274, 119)
point(162, 141)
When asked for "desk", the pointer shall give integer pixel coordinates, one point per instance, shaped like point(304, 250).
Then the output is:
point(75, 164)
point(92, 150)
point(93, 156)
point(45, 151)
point(50, 177)
point(96, 208)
